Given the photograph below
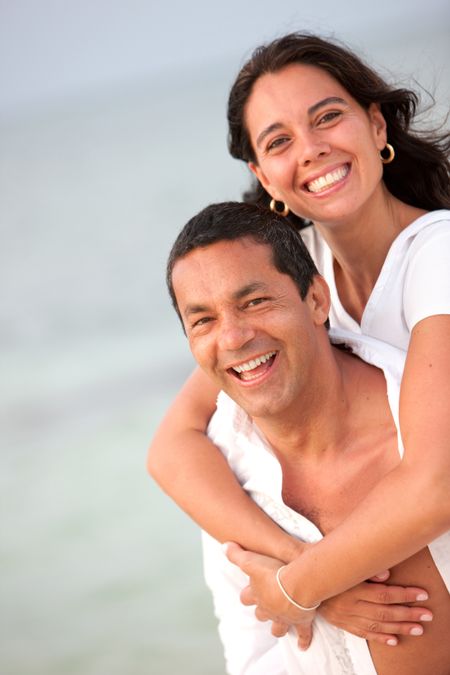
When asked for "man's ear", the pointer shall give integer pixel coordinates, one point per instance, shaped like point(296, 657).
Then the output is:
point(318, 299)
point(261, 176)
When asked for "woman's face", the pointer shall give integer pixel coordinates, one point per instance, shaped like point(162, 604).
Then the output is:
point(316, 148)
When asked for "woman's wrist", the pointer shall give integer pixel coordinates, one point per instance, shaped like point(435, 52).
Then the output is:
point(298, 582)
point(292, 549)
point(288, 597)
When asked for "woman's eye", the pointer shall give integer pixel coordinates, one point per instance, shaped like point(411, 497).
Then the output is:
point(276, 143)
point(329, 116)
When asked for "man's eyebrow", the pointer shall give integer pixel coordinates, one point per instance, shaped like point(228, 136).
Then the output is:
point(195, 309)
point(248, 289)
point(252, 287)
point(313, 109)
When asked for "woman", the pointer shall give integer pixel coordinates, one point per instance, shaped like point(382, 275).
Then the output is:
point(330, 141)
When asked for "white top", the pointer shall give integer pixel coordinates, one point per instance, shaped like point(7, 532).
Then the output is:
point(414, 282)
point(250, 648)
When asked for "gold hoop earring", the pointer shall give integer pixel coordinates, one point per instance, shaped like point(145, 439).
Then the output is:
point(390, 157)
point(273, 208)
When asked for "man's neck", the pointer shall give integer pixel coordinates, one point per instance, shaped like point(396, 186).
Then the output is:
point(336, 407)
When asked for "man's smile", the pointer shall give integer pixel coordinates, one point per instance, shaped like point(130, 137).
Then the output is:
point(253, 368)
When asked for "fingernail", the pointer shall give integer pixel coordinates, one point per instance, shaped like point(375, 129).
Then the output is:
point(426, 617)
point(416, 631)
point(422, 596)
point(392, 642)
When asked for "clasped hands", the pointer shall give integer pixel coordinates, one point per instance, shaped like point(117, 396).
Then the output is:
point(373, 611)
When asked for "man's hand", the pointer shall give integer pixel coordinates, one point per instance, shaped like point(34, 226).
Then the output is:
point(373, 611)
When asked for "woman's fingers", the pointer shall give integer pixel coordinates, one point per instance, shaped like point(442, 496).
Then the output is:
point(387, 634)
point(304, 635)
point(382, 623)
point(279, 628)
point(382, 576)
point(385, 614)
point(378, 612)
point(242, 558)
point(386, 595)
point(247, 597)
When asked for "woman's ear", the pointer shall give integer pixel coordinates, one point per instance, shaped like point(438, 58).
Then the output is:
point(318, 299)
point(378, 123)
point(261, 176)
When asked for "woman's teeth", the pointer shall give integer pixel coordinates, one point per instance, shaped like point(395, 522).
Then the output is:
point(328, 179)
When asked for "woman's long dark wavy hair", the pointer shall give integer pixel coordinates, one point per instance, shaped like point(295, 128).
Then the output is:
point(420, 172)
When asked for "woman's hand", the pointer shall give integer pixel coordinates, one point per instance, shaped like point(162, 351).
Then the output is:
point(374, 611)
point(377, 612)
point(263, 589)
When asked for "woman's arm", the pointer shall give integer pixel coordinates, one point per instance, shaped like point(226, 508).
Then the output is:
point(405, 511)
point(195, 474)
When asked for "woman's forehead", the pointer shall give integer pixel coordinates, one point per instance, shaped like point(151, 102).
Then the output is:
point(298, 81)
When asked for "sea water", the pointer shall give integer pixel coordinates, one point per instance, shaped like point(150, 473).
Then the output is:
point(100, 573)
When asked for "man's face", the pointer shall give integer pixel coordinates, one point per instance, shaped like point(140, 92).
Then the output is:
point(247, 325)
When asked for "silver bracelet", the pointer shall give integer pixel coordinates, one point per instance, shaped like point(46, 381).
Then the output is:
point(288, 597)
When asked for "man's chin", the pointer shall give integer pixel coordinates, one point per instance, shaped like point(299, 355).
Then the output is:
point(253, 405)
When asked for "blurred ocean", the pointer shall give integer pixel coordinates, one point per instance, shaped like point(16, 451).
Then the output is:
point(100, 573)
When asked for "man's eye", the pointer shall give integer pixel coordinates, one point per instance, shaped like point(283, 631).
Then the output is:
point(201, 322)
point(255, 301)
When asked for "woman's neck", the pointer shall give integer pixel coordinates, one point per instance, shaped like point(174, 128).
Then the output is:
point(360, 246)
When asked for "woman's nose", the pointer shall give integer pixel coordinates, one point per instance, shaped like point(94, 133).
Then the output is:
point(311, 148)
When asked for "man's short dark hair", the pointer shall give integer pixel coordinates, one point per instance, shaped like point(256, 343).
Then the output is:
point(227, 221)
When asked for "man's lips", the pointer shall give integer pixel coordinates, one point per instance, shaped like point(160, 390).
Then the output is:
point(253, 368)
point(328, 179)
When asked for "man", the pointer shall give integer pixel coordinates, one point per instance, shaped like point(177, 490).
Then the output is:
point(305, 426)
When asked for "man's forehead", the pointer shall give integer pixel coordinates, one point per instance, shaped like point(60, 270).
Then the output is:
point(234, 267)
point(227, 249)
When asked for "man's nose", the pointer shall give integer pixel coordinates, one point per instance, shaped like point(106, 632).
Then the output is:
point(235, 332)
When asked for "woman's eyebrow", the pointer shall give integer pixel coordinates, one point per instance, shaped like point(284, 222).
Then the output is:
point(268, 130)
point(326, 101)
point(313, 109)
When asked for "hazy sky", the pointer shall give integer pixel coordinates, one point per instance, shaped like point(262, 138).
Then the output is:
point(53, 47)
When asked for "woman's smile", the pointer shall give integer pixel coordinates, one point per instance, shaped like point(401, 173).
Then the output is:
point(317, 150)
point(328, 179)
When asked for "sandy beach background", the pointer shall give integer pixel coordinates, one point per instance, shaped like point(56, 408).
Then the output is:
point(99, 168)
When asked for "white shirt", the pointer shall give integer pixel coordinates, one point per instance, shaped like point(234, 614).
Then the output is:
point(414, 282)
point(249, 647)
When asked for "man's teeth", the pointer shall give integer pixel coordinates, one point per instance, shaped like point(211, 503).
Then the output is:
point(328, 179)
point(254, 363)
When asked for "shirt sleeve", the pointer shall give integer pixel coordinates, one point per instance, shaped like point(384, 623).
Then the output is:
point(427, 283)
point(249, 646)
